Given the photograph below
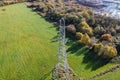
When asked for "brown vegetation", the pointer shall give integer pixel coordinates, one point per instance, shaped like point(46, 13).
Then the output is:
point(105, 51)
point(82, 22)
point(71, 28)
point(85, 39)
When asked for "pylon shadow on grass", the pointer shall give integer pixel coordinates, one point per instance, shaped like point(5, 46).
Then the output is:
point(45, 76)
point(75, 48)
point(54, 39)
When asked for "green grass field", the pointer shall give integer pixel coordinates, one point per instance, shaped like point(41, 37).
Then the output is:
point(27, 52)
point(110, 76)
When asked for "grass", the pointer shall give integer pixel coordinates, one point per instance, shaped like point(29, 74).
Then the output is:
point(85, 63)
point(110, 76)
point(26, 50)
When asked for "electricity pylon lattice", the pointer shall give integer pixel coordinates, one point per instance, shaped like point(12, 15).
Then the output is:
point(62, 65)
point(61, 70)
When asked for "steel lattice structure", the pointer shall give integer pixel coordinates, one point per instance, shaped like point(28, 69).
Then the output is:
point(62, 64)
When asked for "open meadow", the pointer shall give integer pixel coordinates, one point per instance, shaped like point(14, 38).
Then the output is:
point(28, 53)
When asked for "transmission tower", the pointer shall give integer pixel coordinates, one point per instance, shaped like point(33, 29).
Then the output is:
point(62, 67)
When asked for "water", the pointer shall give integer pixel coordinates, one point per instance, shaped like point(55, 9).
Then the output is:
point(110, 8)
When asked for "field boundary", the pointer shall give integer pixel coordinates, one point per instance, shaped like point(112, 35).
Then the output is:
point(112, 69)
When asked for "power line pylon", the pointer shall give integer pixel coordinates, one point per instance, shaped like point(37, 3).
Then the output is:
point(62, 71)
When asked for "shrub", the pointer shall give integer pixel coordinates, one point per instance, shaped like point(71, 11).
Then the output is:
point(112, 31)
point(98, 47)
point(109, 52)
point(50, 5)
point(71, 28)
point(107, 37)
point(117, 28)
point(35, 5)
point(72, 18)
point(118, 48)
point(60, 2)
point(43, 8)
point(85, 39)
point(91, 21)
point(54, 16)
point(79, 35)
point(99, 30)
point(86, 15)
point(29, 0)
point(92, 43)
point(69, 10)
point(85, 28)
point(79, 14)
point(105, 51)
point(90, 12)
point(1, 3)
point(39, 7)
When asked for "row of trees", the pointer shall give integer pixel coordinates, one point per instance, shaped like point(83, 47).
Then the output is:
point(82, 22)
point(105, 51)
point(7, 2)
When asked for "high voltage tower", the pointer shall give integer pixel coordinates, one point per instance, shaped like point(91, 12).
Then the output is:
point(62, 64)
point(61, 70)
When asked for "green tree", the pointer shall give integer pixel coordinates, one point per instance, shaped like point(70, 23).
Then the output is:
point(85, 39)
point(85, 28)
point(79, 35)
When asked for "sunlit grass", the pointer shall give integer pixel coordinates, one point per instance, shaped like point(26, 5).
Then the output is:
point(110, 76)
point(26, 50)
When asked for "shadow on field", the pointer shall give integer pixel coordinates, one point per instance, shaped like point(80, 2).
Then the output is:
point(44, 77)
point(54, 39)
point(91, 60)
point(75, 49)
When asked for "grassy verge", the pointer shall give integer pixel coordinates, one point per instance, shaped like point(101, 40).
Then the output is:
point(110, 76)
